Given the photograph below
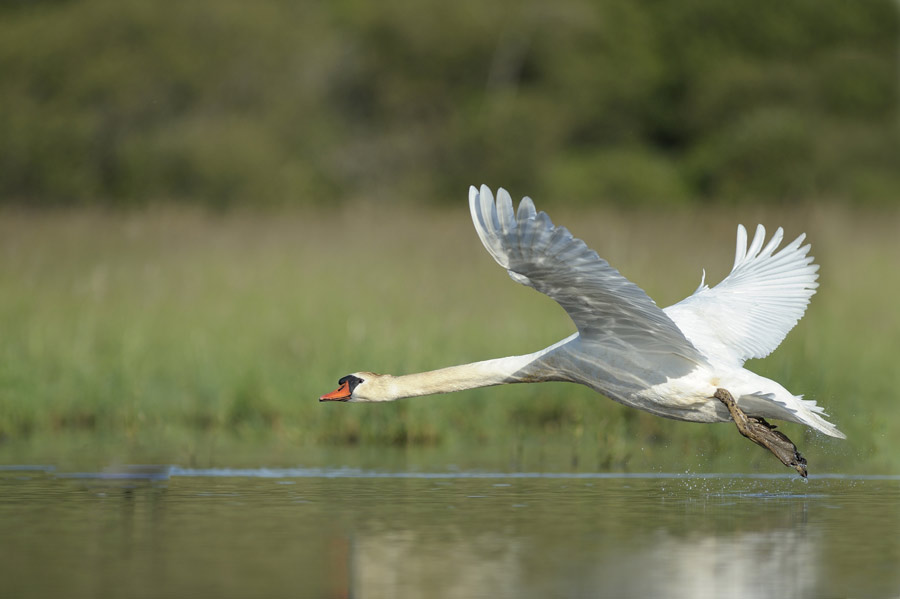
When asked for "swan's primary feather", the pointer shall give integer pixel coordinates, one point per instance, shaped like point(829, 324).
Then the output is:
point(749, 313)
point(606, 307)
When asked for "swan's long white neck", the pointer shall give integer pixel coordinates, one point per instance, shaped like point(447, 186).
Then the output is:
point(528, 368)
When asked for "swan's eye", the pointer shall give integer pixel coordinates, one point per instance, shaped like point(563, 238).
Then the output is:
point(351, 380)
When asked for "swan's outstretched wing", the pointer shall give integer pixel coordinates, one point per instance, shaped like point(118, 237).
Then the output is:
point(749, 313)
point(605, 306)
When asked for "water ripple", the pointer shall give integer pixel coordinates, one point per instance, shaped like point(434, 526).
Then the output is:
point(163, 472)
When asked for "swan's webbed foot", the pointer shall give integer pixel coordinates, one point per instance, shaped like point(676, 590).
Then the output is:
point(762, 433)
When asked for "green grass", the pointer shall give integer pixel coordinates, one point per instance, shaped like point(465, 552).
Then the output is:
point(161, 330)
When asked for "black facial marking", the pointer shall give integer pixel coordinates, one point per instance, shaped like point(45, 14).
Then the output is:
point(352, 381)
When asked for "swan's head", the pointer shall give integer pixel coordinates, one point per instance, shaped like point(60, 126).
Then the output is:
point(359, 387)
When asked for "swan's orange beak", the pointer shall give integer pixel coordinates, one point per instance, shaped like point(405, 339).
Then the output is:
point(342, 393)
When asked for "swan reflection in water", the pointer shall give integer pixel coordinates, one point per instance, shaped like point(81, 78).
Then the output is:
point(452, 561)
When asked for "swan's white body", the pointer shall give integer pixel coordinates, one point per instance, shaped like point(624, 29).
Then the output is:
point(667, 362)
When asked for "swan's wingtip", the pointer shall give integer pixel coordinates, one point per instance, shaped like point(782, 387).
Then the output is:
point(526, 209)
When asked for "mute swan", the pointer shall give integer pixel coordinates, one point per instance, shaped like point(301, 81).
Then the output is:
point(683, 362)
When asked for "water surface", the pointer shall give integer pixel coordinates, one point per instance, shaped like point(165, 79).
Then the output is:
point(160, 531)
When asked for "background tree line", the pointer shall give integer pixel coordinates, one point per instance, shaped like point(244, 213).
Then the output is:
point(127, 102)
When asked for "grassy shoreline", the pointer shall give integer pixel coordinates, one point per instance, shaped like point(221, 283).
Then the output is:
point(174, 324)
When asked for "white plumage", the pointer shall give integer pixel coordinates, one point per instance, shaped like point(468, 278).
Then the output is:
point(713, 331)
point(668, 362)
point(749, 313)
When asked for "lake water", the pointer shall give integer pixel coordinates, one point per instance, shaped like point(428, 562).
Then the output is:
point(164, 531)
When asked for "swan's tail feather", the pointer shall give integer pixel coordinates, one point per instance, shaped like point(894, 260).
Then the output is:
point(814, 419)
point(813, 416)
point(801, 411)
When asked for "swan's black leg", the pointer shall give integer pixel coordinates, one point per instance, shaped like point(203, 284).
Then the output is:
point(762, 433)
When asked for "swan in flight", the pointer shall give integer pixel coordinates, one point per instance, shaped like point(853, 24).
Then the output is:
point(683, 362)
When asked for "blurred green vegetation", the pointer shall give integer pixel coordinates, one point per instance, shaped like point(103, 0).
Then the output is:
point(212, 102)
point(160, 324)
point(177, 332)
